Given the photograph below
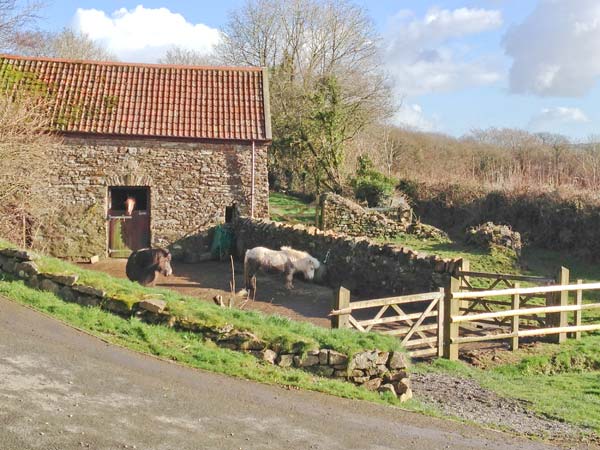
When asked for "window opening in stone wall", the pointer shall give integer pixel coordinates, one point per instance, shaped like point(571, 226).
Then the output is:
point(229, 214)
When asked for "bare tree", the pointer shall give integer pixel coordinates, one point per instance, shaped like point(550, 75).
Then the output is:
point(15, 18)
point(67, 44)
point(70, 44)
point(322, 54)
point(186, 57)
point(25, 147)
point(252, 35)
point(559, 145)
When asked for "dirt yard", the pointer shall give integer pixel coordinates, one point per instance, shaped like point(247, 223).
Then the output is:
point(306, 301)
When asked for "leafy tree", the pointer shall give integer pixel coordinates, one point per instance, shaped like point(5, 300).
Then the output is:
point(370, 185)
point(326, 81)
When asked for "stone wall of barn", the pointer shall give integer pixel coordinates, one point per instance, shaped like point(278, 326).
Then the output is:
point(191, 184)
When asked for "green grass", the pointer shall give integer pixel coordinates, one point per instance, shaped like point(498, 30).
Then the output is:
point(183, 347)
point(286, 208)
point(287, 333)
point(482, 260)
point(558, 381)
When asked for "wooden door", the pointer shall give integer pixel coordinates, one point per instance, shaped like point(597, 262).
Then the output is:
point(128, 232)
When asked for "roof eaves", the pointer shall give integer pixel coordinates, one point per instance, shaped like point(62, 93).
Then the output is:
point(266, 104)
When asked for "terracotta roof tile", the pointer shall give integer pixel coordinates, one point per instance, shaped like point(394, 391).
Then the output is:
point(146, 100)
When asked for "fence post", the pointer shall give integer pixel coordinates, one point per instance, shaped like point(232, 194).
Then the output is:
point(578, 302)
point(465, 266)
point(341, 300)
point(559, 319)
point(451, 308)
point(516, 300)
point(440, 323)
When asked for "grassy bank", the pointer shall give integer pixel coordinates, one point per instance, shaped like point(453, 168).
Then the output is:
point(273, 329)
point(185, 348)
point(286, 208)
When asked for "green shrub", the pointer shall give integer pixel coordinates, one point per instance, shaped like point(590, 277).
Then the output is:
point(370, 185)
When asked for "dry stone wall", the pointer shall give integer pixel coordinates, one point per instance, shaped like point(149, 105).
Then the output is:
point(345, 216)
point(191, 184)
point(359, 264)
point(386, 372)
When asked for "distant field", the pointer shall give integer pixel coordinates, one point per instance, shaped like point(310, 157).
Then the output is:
point(534, 261)
point(286, 208)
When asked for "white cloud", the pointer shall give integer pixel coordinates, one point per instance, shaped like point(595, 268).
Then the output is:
point(551, 119)
point(411, 116)
point(144, 34)
point(428, 55)
point(555, 50)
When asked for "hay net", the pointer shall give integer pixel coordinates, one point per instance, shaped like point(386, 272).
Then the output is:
point(222, 243)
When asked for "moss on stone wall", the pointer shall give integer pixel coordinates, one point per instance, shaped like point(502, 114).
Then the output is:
point(76, 232)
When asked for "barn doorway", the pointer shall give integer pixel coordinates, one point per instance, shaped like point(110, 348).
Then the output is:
point(128, 220)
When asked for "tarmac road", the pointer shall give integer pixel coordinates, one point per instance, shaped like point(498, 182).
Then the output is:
point(61, 389)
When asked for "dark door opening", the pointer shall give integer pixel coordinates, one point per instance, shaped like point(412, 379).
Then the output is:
point(129, 220)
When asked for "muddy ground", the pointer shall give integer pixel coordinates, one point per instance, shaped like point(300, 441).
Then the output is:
point(465, 398)
point(305, 302)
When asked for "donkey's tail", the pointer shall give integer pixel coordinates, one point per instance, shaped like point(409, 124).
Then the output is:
point(246, 274)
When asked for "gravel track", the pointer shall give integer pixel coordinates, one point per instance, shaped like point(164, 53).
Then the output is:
point(465, 398)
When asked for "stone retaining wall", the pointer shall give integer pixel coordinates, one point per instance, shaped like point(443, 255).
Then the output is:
point(359, 264)
point(375, 370)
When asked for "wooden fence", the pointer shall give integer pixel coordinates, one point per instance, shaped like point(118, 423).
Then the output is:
point(555, 311)
point(420, 332)
point(472, 309)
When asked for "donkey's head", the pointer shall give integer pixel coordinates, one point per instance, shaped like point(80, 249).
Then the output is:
point(308, 267)
point(129, 205)
point(162, 261)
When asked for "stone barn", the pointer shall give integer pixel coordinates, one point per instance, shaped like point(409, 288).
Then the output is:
point(148, 154)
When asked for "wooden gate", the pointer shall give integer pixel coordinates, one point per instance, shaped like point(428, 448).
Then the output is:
point(420, 332)
point(469, 281)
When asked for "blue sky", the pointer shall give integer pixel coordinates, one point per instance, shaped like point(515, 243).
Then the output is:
point(457, 64)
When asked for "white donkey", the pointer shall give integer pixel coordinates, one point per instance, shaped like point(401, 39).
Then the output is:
point(287, 260)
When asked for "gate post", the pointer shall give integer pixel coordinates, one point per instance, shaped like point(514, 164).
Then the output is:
point(559, 319)
point(451, 308)
point(341, 300)
point(440, 323)
point(578, 302)
point(516, 300)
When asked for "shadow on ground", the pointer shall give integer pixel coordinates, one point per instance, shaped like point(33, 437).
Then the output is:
point(306, 301)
